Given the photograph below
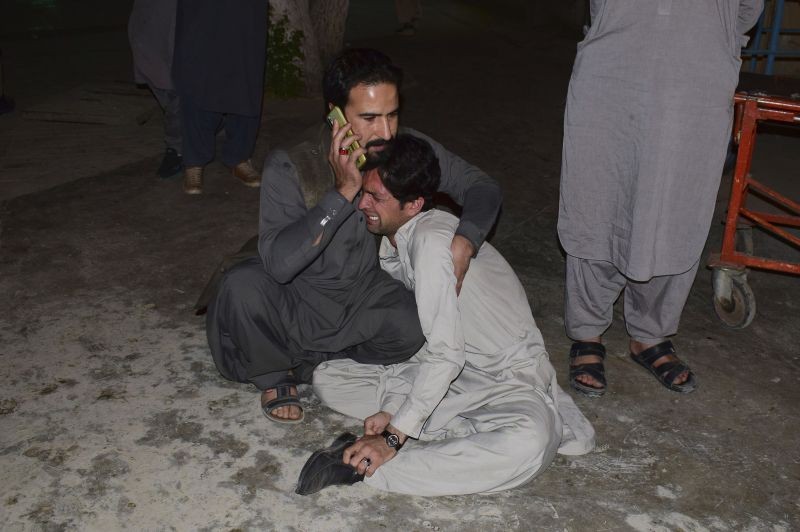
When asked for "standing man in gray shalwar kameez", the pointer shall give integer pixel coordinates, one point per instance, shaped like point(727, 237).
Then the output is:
point(647, 123)
point(316, 292)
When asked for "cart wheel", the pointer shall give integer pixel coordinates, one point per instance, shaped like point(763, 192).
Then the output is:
point(734, 301)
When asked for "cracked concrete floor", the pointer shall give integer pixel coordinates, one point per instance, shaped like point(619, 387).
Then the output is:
point(112, 415)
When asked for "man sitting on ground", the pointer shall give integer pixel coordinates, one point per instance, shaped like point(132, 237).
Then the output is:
point(481, 395)
point(316, 292)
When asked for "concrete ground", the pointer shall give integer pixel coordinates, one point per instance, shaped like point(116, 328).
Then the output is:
point(113, 416)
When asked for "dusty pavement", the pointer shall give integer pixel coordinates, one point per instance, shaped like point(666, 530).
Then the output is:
point(113, 416)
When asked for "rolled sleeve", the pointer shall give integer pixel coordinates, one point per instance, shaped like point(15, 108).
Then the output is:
point(478, 194)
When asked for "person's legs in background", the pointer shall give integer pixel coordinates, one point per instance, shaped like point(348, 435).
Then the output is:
point(591, 288)
point(199, 132)
point(652, 312)
point(172, 164)
point(240, 140)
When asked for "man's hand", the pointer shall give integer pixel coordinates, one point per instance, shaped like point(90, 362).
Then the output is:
point(348, 176)
point(368, 453)
point(462, 250)
point(376, 423)
point(371, 451)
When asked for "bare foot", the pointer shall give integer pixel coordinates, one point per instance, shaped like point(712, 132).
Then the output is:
point(588, 380)
point(638, 347)
point(291, 412)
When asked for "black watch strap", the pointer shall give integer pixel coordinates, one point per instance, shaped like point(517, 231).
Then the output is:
point(392, 440)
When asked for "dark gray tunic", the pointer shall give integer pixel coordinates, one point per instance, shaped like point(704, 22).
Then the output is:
point(647, 123)
point(220, 48)
point(324, 255)
point(317, 292)
point(151, 32)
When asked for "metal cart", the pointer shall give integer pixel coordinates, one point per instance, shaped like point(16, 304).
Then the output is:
point(734, 301)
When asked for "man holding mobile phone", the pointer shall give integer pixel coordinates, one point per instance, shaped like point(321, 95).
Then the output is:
point(316, 291)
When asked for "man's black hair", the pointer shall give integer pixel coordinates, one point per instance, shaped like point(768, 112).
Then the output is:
point(355, 66)
point(411, 170)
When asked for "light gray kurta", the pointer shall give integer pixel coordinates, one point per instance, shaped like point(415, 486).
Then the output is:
point(646, 128)
point(481, 392)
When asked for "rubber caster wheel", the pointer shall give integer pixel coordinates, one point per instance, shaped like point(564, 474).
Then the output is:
point(734, 301)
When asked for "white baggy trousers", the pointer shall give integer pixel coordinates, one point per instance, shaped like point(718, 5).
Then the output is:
point(490, 432)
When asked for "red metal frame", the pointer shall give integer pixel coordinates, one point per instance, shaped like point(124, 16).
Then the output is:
point(749, 110)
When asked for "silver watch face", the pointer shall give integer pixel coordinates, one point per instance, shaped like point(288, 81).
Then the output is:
point(393, 440)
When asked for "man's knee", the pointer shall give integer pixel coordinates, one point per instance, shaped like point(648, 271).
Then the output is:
point(237, 300)
point(402, 329)
point(347, 387)
point(244, 287)
point(530, 441)
point(390, 328)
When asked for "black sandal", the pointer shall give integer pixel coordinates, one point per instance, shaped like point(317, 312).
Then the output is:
point(667, 372)
point(284, 397)
point(596, 370)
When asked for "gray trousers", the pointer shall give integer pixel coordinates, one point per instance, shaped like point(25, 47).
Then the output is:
point(488, 434)
point(168, 100)
point(259, 330)
point(652, 308)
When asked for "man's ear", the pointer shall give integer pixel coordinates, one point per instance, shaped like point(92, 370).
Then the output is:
point(416, 206)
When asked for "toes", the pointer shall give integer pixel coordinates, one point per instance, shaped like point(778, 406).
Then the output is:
point(589, 381)
point(287, 412)
point(682, 378)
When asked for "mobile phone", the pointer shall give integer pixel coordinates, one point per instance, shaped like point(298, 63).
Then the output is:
point(337, 115)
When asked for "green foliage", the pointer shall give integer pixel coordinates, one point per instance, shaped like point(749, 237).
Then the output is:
point(284, 73)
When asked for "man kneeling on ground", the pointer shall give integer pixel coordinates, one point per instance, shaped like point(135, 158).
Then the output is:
point(479, 401)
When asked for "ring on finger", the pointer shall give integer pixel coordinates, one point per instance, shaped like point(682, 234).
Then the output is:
point(344, 151)
point(367, 462)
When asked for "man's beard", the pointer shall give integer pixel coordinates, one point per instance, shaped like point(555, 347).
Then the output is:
point(376, 159)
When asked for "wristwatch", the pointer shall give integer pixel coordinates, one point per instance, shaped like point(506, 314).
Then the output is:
point(392, 440)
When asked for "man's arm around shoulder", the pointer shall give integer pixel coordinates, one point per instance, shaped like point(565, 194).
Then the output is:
point(478, 194)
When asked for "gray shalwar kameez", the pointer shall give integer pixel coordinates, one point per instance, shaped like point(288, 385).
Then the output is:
point(317, 291)
point(646, 127)
point(481, 394)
